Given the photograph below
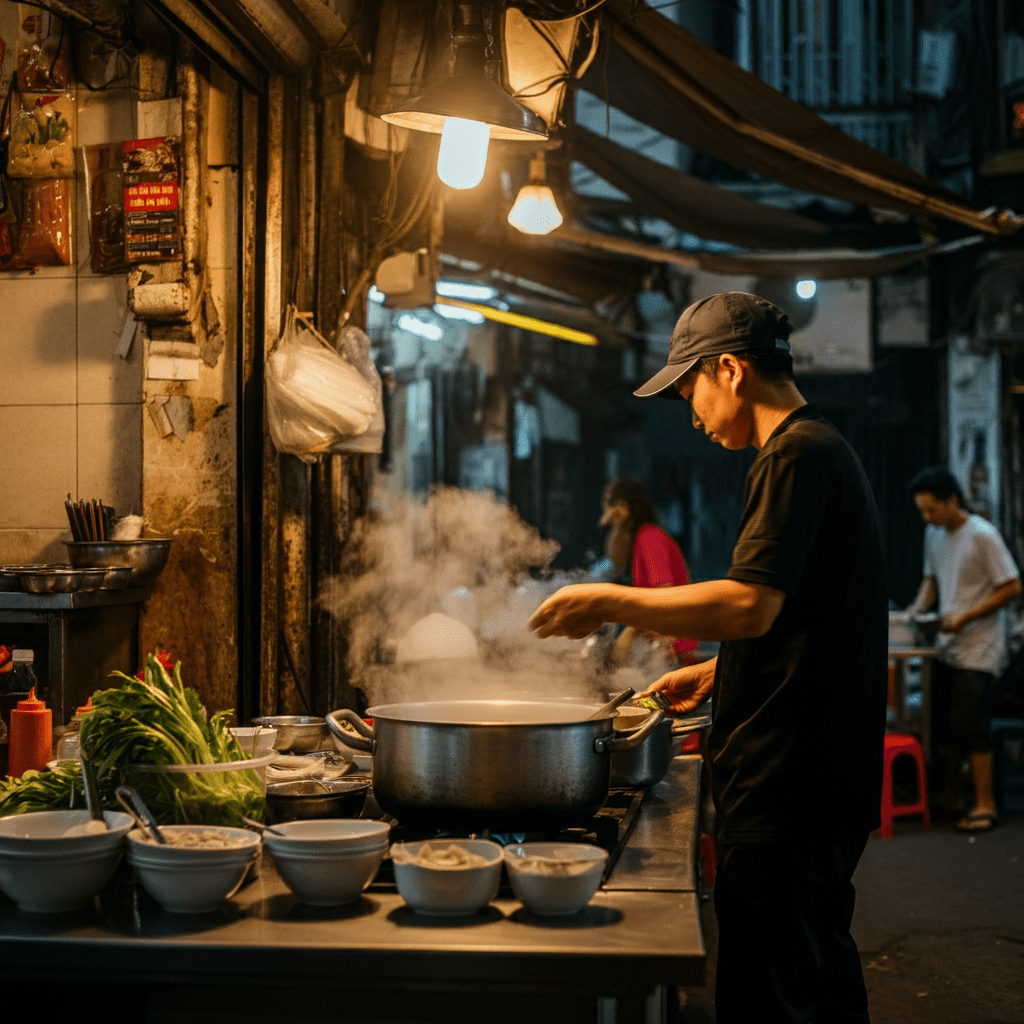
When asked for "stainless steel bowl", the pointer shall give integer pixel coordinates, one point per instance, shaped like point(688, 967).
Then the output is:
point(117, 577)
point(10, 575)
point(50, 581)
point(311, 798)
point(300, 734)
point(92, 578)
point(146, 556)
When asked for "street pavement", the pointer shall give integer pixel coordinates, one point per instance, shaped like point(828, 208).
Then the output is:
point(939, 923)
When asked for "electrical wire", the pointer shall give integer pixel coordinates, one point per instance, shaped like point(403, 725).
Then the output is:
point(537, 10)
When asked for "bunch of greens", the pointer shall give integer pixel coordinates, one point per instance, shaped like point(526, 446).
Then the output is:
point(154, 721)
point(59, 789)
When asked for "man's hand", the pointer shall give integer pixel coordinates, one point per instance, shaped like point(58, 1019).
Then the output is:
point(686, 687)
point(953, 622)
point(574, 611)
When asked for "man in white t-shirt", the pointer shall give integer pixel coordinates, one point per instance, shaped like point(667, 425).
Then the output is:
point(971, 573)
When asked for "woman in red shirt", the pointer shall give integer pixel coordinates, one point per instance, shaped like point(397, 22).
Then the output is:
point(636, 543)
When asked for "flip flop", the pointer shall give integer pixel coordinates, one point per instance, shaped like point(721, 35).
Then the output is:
point(983, 822)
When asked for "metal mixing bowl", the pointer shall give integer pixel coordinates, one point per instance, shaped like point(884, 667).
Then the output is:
point(117, 577)
point(146, 556)
point(50, 581)
point(300, 734)
point(311, 798)
point(92, 577)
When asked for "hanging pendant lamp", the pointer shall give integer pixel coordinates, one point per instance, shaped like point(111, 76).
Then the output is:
point(468, 108)
point(535, 211)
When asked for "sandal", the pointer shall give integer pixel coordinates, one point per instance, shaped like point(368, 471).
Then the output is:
point(981, 822)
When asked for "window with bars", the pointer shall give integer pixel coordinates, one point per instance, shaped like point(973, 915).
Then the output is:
point(852, 61)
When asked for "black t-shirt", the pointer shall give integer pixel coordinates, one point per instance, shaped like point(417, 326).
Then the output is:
point(799, 714)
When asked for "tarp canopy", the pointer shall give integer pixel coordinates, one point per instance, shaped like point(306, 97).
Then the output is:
point(823, 265)
point(708, 211)
point(666, 78)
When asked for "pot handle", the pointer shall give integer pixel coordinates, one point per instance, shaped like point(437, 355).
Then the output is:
point(365, 740)
point(684, 726)
point(620, 741)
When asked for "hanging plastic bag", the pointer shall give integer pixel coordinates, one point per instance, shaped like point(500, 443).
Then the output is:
point(40, 233)
point(315, 397)
point(42, 136)
point(354, 345)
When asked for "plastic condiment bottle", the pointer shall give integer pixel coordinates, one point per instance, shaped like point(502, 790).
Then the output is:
point(23, 676)
point(31, 736)
point(69, 747)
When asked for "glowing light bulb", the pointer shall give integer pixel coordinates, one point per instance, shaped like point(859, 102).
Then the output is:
point(463, 153)
point(806, 289)
point(535, 211)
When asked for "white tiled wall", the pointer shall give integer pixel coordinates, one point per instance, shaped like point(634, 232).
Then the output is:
point(70, 407)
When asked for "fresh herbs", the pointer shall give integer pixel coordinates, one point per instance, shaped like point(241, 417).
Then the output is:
point(154, 721)
point(59, 789)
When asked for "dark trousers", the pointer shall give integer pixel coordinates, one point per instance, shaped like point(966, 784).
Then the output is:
point(961, 720)
point(785, 953)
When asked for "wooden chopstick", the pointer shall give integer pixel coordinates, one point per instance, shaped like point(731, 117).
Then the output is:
point(76, 534)
point(83, 526)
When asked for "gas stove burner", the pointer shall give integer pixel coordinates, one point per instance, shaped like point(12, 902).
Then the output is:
point(609, 828)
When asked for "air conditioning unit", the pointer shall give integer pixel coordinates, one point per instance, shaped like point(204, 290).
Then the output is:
point(831, 328)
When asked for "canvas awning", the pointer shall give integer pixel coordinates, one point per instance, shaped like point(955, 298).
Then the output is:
point(823, 265)
point(708, 211)
point(661, 75)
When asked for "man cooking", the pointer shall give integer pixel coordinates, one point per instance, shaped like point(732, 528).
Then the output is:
point(799, 684)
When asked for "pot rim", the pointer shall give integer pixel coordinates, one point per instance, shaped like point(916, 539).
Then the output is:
point(461, 712)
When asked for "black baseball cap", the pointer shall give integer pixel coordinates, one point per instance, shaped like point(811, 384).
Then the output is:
point(725, 322)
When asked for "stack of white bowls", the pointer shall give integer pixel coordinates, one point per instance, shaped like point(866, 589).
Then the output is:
point(192, 879)
point(328, 861)
point(52, 861)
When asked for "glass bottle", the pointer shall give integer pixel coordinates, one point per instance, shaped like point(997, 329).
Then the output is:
point(69, 747)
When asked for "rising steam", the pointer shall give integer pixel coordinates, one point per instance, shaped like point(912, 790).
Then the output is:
point(468, 556)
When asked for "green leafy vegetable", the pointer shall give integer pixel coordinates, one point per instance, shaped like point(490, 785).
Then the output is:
point(154, 721)
point(59, 789)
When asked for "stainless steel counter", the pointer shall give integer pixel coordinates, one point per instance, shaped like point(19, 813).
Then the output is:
point(378, 960)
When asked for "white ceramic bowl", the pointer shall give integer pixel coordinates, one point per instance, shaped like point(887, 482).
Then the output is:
point(328, 861)
point(554, 878)
point(442, 888)
point(256, 740)
point(192, 879)
point(45, 869)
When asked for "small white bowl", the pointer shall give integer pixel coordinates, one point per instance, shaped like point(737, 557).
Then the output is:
point(447, 889)
point(192, 879)
point(554, 878)
point(255, 739)
point(45, 869)
point(328, 861)
point(330, 835)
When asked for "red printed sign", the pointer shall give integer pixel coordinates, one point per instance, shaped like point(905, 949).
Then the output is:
point(152, 225)
point(141, 198)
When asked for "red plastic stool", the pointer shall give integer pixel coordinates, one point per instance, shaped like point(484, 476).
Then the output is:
point(690, 744)
point(895, 745)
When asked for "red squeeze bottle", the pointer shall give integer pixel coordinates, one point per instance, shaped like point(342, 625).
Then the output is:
point(31, 739)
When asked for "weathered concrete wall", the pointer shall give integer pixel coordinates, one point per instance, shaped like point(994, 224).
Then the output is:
point(189, 474)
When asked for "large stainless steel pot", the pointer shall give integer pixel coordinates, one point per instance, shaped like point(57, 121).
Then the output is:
point(503, 765)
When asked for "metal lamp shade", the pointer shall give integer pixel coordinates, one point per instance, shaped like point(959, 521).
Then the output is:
point(472, 98)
